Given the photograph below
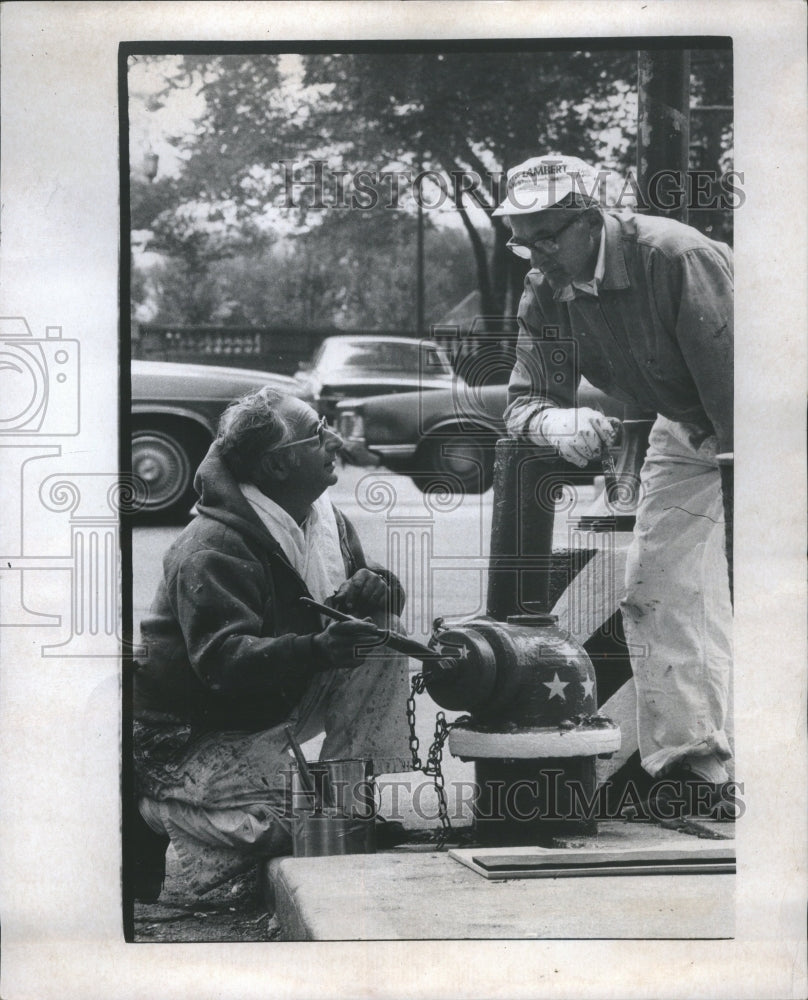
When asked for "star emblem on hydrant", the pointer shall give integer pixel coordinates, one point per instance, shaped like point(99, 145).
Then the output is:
point(455, 652)
point(588, 686)
point(556, 687)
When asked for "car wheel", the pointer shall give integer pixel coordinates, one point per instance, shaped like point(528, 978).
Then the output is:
point(165, 456)
point(460, 461)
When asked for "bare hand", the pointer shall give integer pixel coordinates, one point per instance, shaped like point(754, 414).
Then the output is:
point(338, 644)
point(364, 591)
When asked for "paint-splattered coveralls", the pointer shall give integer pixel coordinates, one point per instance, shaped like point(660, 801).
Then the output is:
point(228, 661)
point(658, 334)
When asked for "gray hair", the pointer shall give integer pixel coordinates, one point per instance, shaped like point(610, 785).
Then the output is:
point(248, 428)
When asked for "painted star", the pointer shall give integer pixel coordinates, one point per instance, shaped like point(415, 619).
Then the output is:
point(588, 687)
point(556, 687)
point(456, 652)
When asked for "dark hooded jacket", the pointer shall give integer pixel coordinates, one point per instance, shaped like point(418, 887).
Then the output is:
point(227, 643)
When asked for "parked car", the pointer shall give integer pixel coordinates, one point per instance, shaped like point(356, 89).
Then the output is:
point(356, 366)
point(175, 410)
point(449, 435)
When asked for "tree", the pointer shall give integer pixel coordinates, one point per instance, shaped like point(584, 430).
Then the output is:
point(402, 111)
point(461, 116)
point(711, 132)
point(353, 271)
point(440, 109)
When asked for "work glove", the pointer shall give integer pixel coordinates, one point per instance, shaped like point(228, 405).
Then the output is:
point(364, 591)
point(578, 435)
point(338, 644)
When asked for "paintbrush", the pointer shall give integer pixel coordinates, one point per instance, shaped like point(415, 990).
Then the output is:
point(400, 643)
point(306, 777)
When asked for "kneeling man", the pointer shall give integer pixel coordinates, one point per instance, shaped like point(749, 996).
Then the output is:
point(231, 655)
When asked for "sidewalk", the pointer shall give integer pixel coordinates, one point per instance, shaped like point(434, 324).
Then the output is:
point(411, 894)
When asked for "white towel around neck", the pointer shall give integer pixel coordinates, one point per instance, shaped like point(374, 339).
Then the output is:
point(313, 549)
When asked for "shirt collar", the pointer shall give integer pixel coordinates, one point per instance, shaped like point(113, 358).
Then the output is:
point(589, 287)
point(610, 268)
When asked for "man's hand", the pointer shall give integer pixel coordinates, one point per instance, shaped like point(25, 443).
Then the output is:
point(364, 591)
point(338, 643)
point(578, 435)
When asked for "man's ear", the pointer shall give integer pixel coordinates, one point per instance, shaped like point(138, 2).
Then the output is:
point(274, 467)
point(594, 218)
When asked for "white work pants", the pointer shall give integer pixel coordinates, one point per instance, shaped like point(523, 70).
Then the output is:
point(676, 613)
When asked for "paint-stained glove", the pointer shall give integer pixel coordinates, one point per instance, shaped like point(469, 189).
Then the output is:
point(578, 435)
point(363, 591)
point(338, 645)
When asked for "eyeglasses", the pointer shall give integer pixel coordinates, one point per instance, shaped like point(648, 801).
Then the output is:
point(319, 437)
point(522, 248)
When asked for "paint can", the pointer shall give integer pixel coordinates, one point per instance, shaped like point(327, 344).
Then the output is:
point(339, 816)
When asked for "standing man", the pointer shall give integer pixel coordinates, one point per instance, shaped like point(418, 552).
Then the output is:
point(648, 302)
point(232, 656)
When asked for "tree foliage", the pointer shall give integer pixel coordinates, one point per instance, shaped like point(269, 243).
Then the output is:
point(458, 114)
point(328, 277)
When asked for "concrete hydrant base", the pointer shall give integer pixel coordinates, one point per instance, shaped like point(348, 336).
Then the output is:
point(411, 894)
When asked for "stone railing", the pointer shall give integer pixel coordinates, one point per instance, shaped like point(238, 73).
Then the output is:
point(278, 349)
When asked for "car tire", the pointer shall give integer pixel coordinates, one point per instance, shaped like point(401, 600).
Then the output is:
point(165, 455)
point(458, 461)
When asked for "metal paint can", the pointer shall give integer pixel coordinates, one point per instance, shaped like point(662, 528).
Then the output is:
point(340, 817)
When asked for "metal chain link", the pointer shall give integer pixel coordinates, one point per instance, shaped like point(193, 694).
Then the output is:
point(433, 770)
point(433, 767)
point(418, 687)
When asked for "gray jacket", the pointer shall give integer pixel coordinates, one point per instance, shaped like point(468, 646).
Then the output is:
point(659, 334)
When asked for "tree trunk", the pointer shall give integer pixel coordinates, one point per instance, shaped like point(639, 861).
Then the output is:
point(480, 261)
point(517, 271)
point(499, 268)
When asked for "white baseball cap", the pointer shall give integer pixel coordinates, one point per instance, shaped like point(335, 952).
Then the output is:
point(544, 181)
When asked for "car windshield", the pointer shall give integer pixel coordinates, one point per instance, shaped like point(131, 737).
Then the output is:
point(403, 358)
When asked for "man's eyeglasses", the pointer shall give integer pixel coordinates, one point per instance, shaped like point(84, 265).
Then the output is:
point(319, 437)
point(522, 248)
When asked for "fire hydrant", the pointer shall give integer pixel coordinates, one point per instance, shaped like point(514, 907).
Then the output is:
point(530, 688)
